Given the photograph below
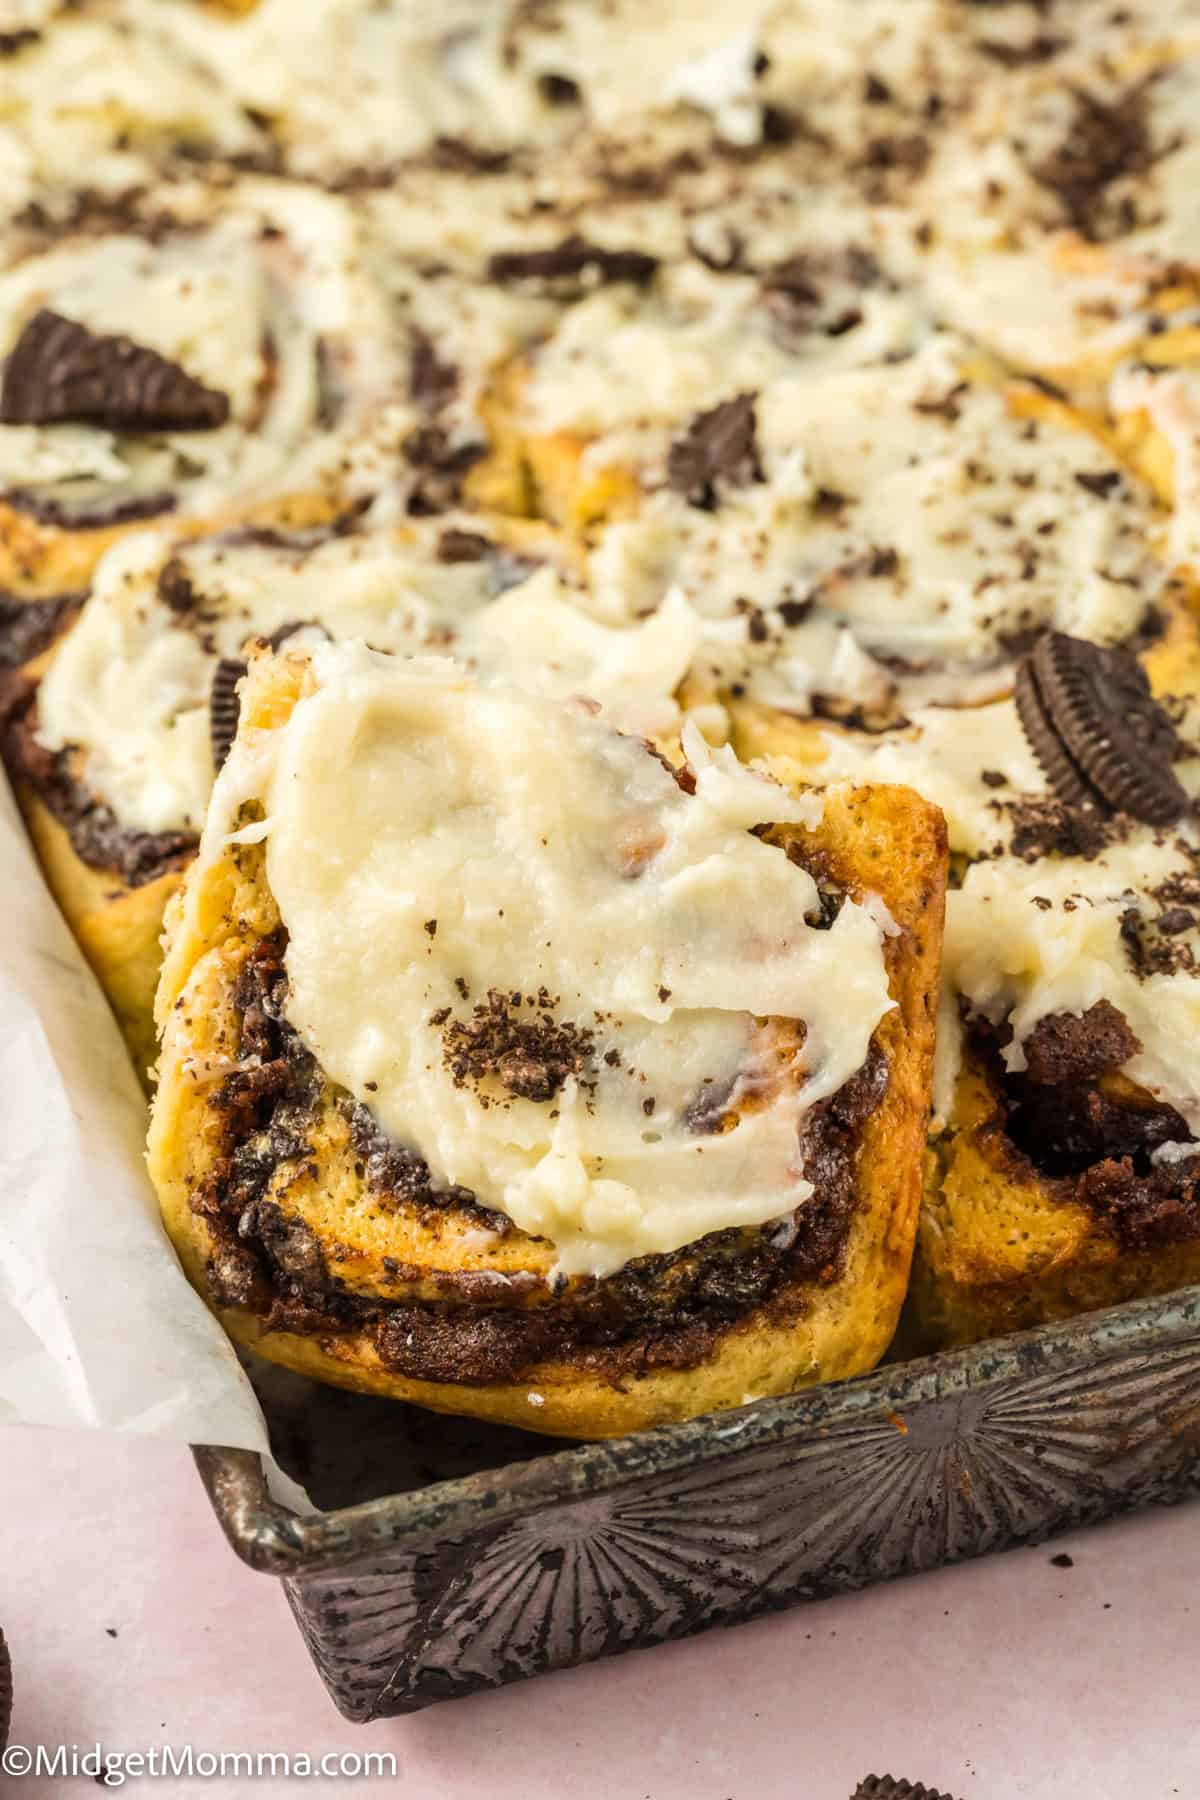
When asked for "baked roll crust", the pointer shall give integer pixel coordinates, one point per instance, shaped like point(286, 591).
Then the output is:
point(1045, 1201)
point(1062, 1169)
point(326, 1246)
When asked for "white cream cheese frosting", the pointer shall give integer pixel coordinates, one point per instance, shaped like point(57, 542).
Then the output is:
point(910, 525)
point(438, 846)
point(129, 686)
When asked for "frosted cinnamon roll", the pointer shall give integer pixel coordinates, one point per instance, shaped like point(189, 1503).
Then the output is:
point(218, 352)
point(854, 538)
point(509, 1068)
point(1064, 1171)
point(1055, 221)
point(116, 707)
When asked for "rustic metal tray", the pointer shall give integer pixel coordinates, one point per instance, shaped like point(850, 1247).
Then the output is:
point(450, 1556)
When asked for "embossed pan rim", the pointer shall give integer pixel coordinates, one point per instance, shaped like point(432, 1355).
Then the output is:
point(272, 1538)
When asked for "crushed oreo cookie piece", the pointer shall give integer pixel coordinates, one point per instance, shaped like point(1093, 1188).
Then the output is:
point(718, 445)
point(458, 546)
point(887, 1787)
point(558, 90)
point(59, 371)
point(459, 156)
point(1102, 741)
point(224, 707)
point(1068, 1046)
point(1104, 143)
point(573, 261)
point(530, 1054)
point(174, 587)
point(439, 465)
point(432, 383)
point(1042, 47)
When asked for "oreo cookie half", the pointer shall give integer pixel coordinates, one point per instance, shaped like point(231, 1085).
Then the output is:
point(224, 707)
point(1101, 738)
point(6, 1692)
point(59, 371)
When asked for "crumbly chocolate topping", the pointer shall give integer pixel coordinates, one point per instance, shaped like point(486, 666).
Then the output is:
point(459, 156)
point(1154, 945)
point(1105, 142)
point(719, 445)
point(439, 467)
point(1048, 827)
point(1091, 1135)
point(58, 371)
point(458, 546)
point(1042, 47)
point(1145, 1211)
point(432, 383)
point(1076, 1046)
point(175, 589)
point(657, 1311)
point(572, 262)
point(28, 626)
point(516, 1041)
point(797, 291)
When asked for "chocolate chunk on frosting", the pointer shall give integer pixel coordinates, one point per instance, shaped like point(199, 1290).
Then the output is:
point(58, 372)
point(573, 260)
point(718, 445)
point(1074, 1046)
point(1100, 737)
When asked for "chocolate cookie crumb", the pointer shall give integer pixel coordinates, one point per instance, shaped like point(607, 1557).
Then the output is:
point(1104, 142)
point(718, 445)
point(458, 546)
point(432, 383)
point(530, 1055)
point(1075, 1046)
point(572, 262)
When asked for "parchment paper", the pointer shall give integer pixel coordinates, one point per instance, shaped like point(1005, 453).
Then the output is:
point(98, 1326)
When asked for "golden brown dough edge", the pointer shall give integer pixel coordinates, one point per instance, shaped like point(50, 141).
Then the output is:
point(880, 840)
point(117, 927)
point(1000, 1248)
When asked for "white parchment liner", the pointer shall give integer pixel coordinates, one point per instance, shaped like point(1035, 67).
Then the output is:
point(98, 1325)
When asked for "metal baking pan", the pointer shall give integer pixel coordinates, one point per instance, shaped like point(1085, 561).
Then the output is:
point(450, 1556)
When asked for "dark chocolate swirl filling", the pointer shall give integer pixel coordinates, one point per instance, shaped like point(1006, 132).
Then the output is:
point(657, 1311)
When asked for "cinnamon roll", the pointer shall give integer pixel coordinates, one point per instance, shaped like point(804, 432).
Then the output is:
point(510, 1066)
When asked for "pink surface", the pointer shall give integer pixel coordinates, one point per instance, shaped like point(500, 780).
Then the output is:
point(1005, 1679)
